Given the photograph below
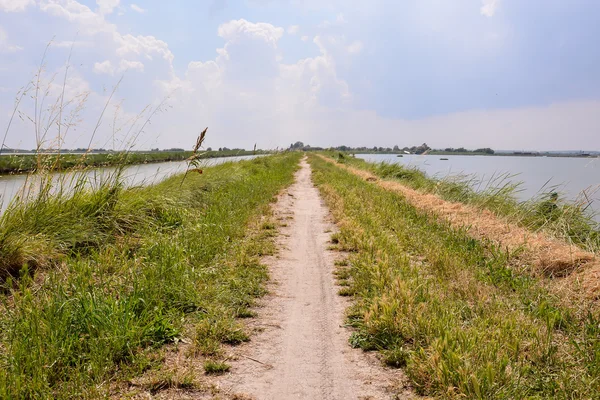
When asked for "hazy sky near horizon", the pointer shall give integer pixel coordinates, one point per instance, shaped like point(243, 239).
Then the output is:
point(506, 74)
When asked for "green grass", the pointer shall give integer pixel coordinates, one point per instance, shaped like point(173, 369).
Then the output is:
point(21, 163)
point(456, 313)
point(96, 280)
point(215, 367)
point(568, 220)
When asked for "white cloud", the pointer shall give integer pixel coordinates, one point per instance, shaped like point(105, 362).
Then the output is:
point(489, 7)
point(207, 74)
point(105, 67)
point(247, 78)
point(15, 5)
point(87, 21)
point(125, 65)
point(92, 23)
point(293, 29)
point(143, 45)
point(107, 6)
point(138, 9)
point(5, 46)
point(235, 29)
point(355, 47)
point(304, 38)
point(318, 78)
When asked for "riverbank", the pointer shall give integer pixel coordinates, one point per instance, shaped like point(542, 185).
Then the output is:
point(465, 317)
point(550, 212)
point(24, 163)
point(97, 282)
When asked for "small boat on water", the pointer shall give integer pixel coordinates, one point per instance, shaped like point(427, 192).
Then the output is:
point(444, 159)
point(399, 155)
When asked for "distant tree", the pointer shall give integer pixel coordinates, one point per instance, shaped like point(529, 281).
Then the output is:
point(485, 150)
point(209, 149)
point(297, 145)
point(225, 149)
point(461, 150)
point(396, 148)
point(220, 149)
point(449, 149)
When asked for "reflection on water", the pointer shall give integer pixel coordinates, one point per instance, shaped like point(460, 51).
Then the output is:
point(134, 175)
point(569, 176)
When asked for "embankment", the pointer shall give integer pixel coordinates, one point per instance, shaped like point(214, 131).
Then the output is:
point(98, 281)
point(466, 316)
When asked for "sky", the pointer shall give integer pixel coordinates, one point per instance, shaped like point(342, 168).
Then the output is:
point(505, 74)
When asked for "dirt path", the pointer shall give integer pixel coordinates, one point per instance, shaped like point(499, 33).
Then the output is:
point(302, 350)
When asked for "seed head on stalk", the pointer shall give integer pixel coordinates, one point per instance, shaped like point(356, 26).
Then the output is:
point(193, 161)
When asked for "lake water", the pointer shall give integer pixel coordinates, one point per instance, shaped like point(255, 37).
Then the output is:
point(568, 176)
point(134, 175)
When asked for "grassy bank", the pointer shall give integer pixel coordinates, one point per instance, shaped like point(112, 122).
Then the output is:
point(458, 314)
point(567, 220)
point(95, 282)
point(22, 163)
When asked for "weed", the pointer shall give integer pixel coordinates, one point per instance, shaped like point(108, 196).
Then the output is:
point(216, 367)
point(268, 226)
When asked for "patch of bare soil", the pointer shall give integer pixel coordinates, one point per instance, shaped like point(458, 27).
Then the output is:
point(551, 256)
point(300, 348)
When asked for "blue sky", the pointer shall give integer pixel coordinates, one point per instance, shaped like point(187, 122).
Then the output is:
point(507, 74)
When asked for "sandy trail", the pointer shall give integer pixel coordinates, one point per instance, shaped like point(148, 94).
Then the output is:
point(301, 350)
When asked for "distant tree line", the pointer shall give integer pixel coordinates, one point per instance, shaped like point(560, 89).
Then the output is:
point(422, 149)
point(484, 150)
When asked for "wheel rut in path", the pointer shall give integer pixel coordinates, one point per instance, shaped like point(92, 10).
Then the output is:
point(300, 349)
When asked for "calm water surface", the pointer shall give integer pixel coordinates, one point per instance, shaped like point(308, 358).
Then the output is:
point(134, 175)
point(569, 176)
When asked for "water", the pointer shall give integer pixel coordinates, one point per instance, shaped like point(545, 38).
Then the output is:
point(134, 175)
point(574, 178)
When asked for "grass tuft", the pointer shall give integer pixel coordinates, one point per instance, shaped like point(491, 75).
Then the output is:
point(216, 367)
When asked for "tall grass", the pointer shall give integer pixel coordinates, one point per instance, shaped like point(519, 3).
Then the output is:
point(458, 314)
point(100, 279)
point(549, 211)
